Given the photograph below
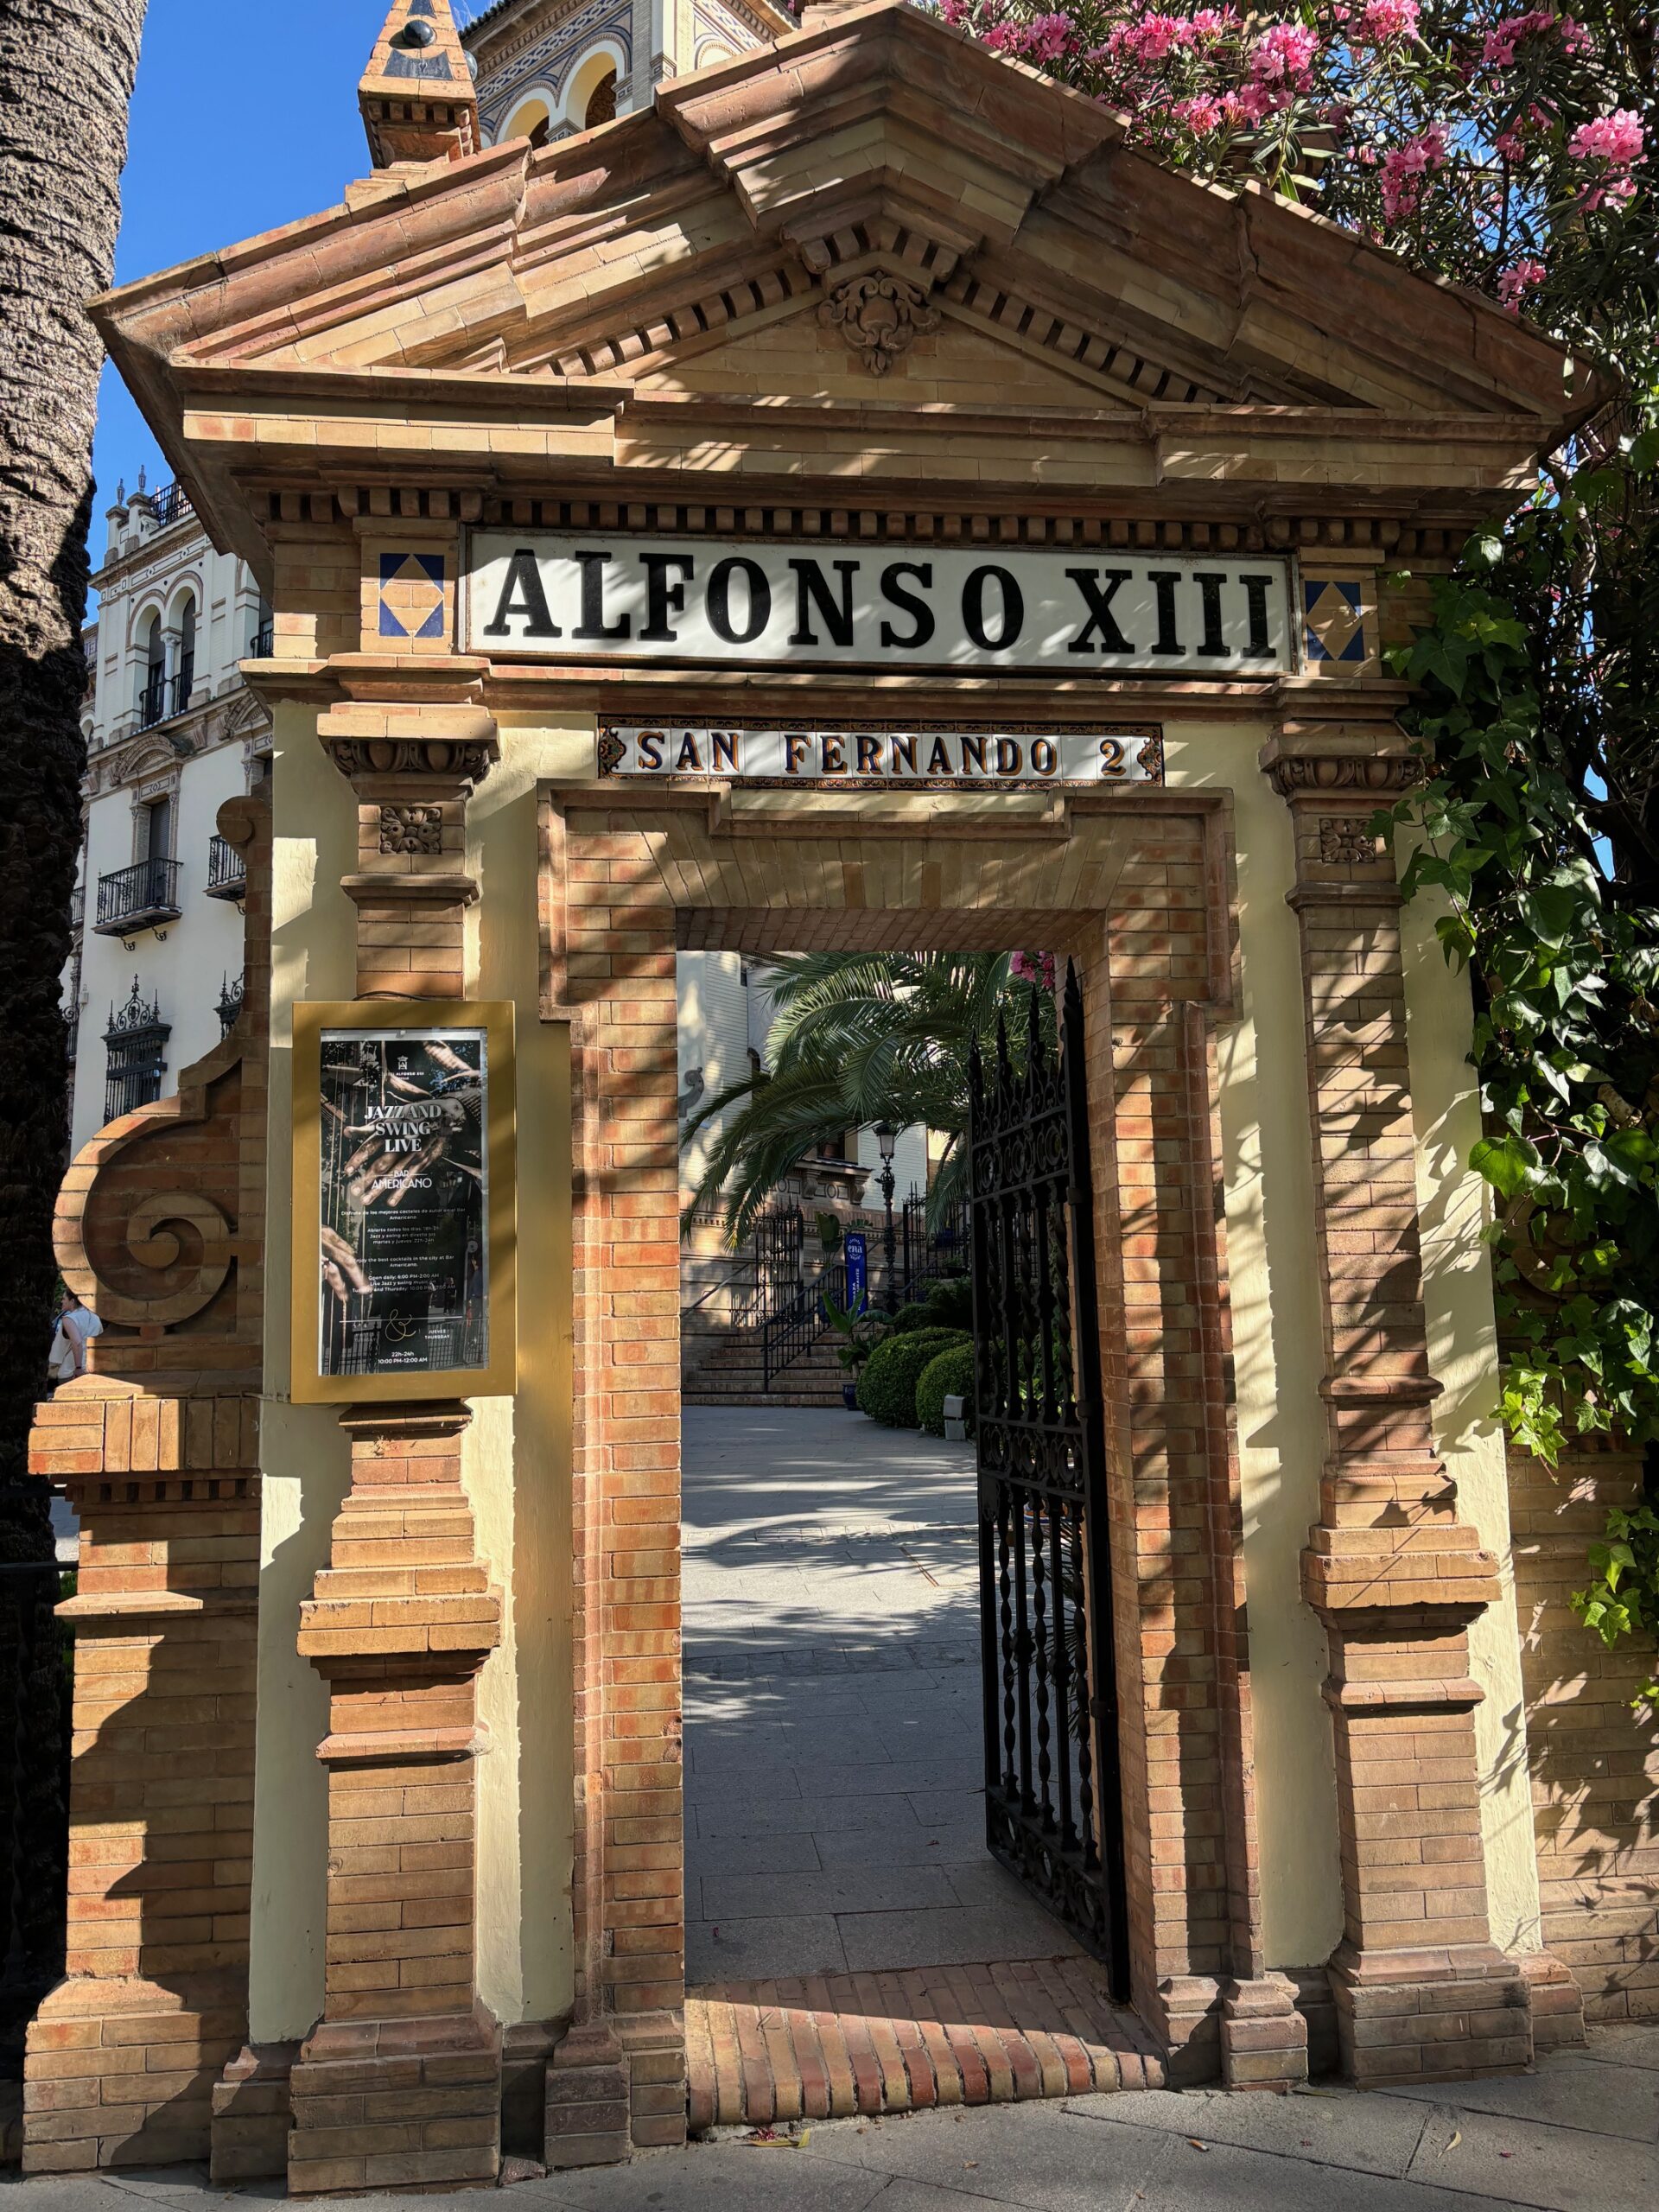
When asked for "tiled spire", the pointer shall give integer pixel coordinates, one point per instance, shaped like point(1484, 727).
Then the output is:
point(416, 95)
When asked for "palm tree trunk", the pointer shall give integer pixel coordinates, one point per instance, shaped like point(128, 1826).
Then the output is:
point(66, 69)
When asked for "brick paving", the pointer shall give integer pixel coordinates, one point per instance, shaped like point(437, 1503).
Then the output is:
point(842, 2046)
point(852, 1948)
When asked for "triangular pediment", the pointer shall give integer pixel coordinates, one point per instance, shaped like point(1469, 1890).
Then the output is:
point(763, 229)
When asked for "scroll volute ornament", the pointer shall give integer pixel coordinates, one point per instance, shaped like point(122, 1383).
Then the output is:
point(879, 316)
point(151, 1228)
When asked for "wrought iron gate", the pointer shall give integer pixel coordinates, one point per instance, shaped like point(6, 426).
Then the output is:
point(1052, 1788)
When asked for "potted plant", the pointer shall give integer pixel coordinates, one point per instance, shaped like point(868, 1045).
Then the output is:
point(860, 1332)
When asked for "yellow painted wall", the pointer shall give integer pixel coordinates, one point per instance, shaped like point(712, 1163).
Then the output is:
point(1272, 1276)
point(1462, 1357)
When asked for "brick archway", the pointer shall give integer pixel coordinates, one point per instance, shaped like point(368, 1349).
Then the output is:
point(1138, 888)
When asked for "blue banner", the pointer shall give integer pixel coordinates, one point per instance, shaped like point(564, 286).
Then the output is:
point(858, 1269)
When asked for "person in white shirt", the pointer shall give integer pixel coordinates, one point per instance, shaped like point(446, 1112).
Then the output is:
point(76, 1325)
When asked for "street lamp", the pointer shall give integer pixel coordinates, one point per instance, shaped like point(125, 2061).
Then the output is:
point(887, 1137)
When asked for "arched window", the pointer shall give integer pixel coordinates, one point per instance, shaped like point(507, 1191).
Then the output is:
point(533, 120)
point(187, 651)
point(592, 87)
point(602, 103)
point(152, 683)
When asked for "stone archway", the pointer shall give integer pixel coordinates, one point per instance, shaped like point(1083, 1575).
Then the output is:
point(1137, 890)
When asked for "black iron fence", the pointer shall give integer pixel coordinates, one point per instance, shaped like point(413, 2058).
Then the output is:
point(929, 1252)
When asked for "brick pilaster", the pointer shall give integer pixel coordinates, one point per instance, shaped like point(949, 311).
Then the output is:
point(399, 2084)
point(1421, 1990)
point(161, 1227)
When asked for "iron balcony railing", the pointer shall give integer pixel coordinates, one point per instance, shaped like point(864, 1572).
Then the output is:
point(172, 503)
point(136, 898)
point(262, 643)
point(227, 870)
point(165, 696)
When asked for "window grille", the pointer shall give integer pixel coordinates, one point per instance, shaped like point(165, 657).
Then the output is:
point(230, 1003)
point(135, 1042)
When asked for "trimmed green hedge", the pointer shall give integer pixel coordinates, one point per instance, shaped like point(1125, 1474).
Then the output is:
point(887, 1388)
point(948, 1304)
point(950, 1374)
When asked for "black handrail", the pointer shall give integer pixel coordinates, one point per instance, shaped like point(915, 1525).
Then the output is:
point(262, 643)
point(791, 1331)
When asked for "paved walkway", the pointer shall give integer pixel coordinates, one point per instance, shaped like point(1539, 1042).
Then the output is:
point(833, 1760)
point(1580, 2135)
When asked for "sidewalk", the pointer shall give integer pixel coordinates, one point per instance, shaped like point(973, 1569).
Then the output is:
point(1581, 2134)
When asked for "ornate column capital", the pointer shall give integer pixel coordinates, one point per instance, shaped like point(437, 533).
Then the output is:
point(413, 765)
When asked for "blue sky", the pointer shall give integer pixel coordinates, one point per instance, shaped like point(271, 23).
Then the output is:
point(210, 162)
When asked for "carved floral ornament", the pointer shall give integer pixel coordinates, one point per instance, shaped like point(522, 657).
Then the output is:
point(879, 315)
point(412, 829)
point(1346, 841)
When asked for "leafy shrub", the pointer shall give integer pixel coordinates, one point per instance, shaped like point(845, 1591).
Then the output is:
point(948, 1305)
point(887, 1388)
point(909, 1319)
point(950, 1301)
point(949, 1375)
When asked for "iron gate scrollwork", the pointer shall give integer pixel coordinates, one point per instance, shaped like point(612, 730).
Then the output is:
point(1052, 1787)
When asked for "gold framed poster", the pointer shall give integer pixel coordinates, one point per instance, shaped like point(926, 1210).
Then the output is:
point(404, 1259)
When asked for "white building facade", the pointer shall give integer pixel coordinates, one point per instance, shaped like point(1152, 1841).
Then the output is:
point(172, 732)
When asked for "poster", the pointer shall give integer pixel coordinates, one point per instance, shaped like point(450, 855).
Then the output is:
point(404, 1201)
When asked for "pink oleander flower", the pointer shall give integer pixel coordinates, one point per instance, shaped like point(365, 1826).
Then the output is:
point(1033, 968)
point(1202, 114)
point(1407, 168)
point(1380, 23)
point(1047, 37)
point(1154, 37)
point(1256, 102)
point(1618, 139)
point(1514, 283)
point(1511, 145)
point(1504, 39)
point(1284, 55)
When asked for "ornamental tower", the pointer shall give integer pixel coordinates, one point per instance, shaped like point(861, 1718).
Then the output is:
point(546, 69)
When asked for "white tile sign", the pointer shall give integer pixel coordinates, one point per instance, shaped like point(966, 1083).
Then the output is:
point(931, 758)
point(589, 597)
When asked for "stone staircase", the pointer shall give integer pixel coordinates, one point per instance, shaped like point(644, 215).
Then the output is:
point(726, 1369)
